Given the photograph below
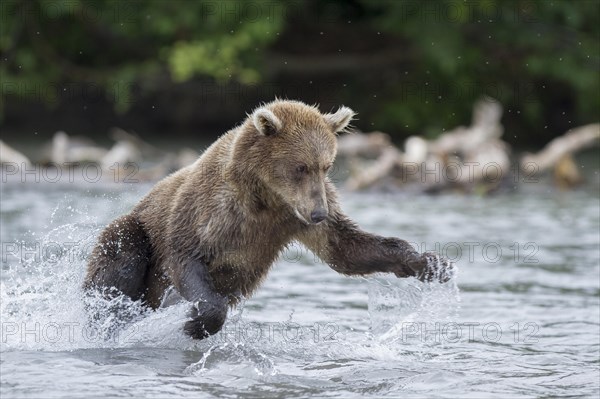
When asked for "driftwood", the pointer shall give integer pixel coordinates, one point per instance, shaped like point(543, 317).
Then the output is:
point(12, 156)
point(566, 173)
point(485, 127)
point(382, 167)
point(72, 149)
point(463, 157)
point(574, 140)
point(363, 145)
point(185, 157)
point(147, 149)
point(121, 153)
point(558, 155)
point(138, 148)
point(169, 164)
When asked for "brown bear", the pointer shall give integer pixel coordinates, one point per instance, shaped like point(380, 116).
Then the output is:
point(212, 230)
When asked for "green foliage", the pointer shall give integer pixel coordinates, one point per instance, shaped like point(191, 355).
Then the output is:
point(516, 51)
point(120, 45)
point(221, 57)
point(531, 55)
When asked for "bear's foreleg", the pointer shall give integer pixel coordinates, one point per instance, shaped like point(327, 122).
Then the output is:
point(351, 251)
point(210, 308)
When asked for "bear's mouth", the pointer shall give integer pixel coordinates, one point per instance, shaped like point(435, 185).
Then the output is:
point(299, 216)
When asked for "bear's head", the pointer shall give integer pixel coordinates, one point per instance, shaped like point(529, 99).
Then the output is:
point(289, 147)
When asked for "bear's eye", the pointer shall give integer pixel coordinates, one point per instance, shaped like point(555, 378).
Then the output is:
point(302, 169)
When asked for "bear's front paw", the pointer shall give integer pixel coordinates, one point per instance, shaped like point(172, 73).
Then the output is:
point(435, 268)
point(195, 329)
point(206, 320)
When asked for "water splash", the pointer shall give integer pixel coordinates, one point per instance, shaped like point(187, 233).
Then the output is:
point(40, 296)
point(44, 308)
point(233, 355)
point(406, 311)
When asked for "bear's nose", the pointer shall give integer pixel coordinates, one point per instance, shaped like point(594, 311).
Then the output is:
point(318, 215)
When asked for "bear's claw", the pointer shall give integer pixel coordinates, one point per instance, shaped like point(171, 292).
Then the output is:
point(436, 268)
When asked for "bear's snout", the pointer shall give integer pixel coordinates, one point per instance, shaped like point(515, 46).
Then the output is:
point(318, 215)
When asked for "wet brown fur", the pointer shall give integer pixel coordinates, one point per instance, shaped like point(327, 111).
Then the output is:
point(236, 208)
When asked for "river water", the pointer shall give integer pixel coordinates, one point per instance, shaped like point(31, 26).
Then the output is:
point(521, 319)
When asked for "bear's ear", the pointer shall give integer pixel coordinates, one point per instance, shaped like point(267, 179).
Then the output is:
point(340, 120)
point(266, 122)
